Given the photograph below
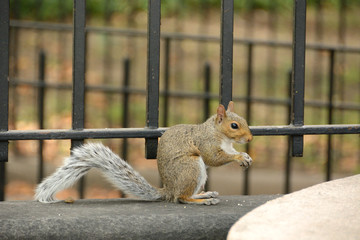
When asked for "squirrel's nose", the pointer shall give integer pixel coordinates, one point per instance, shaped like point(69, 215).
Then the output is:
point(250, 138)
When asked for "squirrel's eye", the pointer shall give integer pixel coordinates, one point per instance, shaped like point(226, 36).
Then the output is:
point(234, 126)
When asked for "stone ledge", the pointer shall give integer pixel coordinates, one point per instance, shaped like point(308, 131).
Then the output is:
point(329, 210)
point(123, 219)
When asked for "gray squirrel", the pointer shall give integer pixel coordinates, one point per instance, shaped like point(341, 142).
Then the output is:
point(184, 153)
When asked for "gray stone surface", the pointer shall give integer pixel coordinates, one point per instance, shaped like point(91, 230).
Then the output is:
point(123, 219)
point(328, 211)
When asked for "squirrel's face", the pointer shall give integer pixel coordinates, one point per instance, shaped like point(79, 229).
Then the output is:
point(233, 126)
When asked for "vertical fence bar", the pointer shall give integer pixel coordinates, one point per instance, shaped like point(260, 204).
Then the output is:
point(41, 96)
point(79, 65)
point(248, 110)
point(79, 51)
point(153, 68)
point(125, 112)
point(4, 75)
point(330, 113)
point(207, 89)
point(166, 82)
point(14, 59)
point(287, 186)
point(226, 51)
point(4, 89)
point(125, 117)
point(298, 78)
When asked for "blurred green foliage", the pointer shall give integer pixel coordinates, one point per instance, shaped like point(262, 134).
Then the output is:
point(59, 9)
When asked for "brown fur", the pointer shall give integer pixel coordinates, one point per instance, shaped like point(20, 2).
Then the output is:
point(181, 147)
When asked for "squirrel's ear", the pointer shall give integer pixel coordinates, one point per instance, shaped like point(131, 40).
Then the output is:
point(221, 114)
point(230, 107)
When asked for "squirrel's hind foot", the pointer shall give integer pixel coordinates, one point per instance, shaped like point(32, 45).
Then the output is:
point(207, 201)
point(212, 201)
point(206, 195)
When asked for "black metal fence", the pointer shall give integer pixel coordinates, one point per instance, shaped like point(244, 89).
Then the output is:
point(151, 132)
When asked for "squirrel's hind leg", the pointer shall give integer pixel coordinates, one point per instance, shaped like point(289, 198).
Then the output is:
point(207, 201)
point(206, 195)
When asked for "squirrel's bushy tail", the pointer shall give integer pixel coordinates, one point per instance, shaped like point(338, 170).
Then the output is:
point(90, 155)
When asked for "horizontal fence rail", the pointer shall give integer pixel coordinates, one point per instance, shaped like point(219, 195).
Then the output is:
point(180, 94)
point(60, 134)
point(178, 36)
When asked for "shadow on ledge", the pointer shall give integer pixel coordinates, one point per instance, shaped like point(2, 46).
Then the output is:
point(123, 219)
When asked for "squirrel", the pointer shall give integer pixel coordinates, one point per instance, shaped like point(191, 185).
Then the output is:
point(184, 153)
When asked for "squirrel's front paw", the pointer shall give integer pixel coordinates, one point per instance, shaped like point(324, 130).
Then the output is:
point(247, 160)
